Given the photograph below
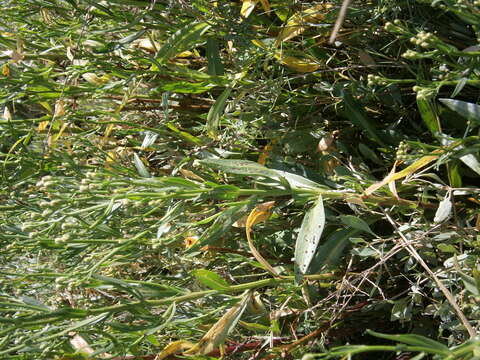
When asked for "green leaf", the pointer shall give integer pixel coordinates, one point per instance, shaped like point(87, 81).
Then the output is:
point(330, 252)
point(240, 167)
point(251, 168)
point(427, 110)
point(453, 168)
point(184, 39)
point(130, 38)
point(355, 113)
point(465, 109)
point(470, 284)
point(215, 66)
point(141, 168)
point(216, 112)
point(187, 87)
point(356, 223)
point(225, 192)
point(211, 279)
point(308, 239)
point(428, 344)
point(184, 135)
point(222, 224)
point(470, 159)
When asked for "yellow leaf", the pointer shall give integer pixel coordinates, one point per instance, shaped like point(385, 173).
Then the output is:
point(247, 7)
point(59, 108)
point(298, 23)
point(259, 43)
point(189, 241)
point(256, 216)
point(262, 159)
point(54, 138)
point(173, 348)
point(217, 334)
point(185, 54)
point(191, 175)
point(42, 126)
point(261, 208)
point(108, 131)
point(6, 70)
point(300, 65)
point(266, 6)
point(423, 161)
point(110, 159)
point(95, 79)
point(147, 44)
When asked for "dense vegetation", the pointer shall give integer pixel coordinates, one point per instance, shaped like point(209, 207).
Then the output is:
point(199, 178)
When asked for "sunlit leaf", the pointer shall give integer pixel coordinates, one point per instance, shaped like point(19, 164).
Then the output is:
point(183, 39)
point(309, 238)
point(469, 111)
point(296, 64)
point(218, 333)
point(173, 348)
point(247, 7)
point(299, 22)
point(422, 162)
point(211, 279)
point(444, 209)
point(427, 110)
point(216, 112)
point(257, 215)
point(141, 168)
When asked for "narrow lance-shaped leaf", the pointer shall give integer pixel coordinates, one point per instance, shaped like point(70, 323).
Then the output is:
point(427, 110)
point(247, 7)
point(356, 223)
point(182, 40)
point(467, 110)
point(298, 23)
point(141, 168)
point(251, 168)
point(470, 159)
point(415, 340)
point(257, 215)
point(354, 112)
point(215, 66)
point(308, 238)
point(216, 112)
point(330, 252)
point(409, 170)
point(219, 331)
point(211, 279)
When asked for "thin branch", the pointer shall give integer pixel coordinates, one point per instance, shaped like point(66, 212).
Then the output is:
point(445, 291)
point(339, 22)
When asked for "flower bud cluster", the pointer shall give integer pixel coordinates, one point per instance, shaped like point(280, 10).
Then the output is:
point(402, 151)
point(412, 55)
point(45, 183)
point(395, 27)
point(425, 40)
point(376, 80)
point(62, 239)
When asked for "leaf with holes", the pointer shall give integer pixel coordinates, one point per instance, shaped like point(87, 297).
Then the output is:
point(308, 238)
